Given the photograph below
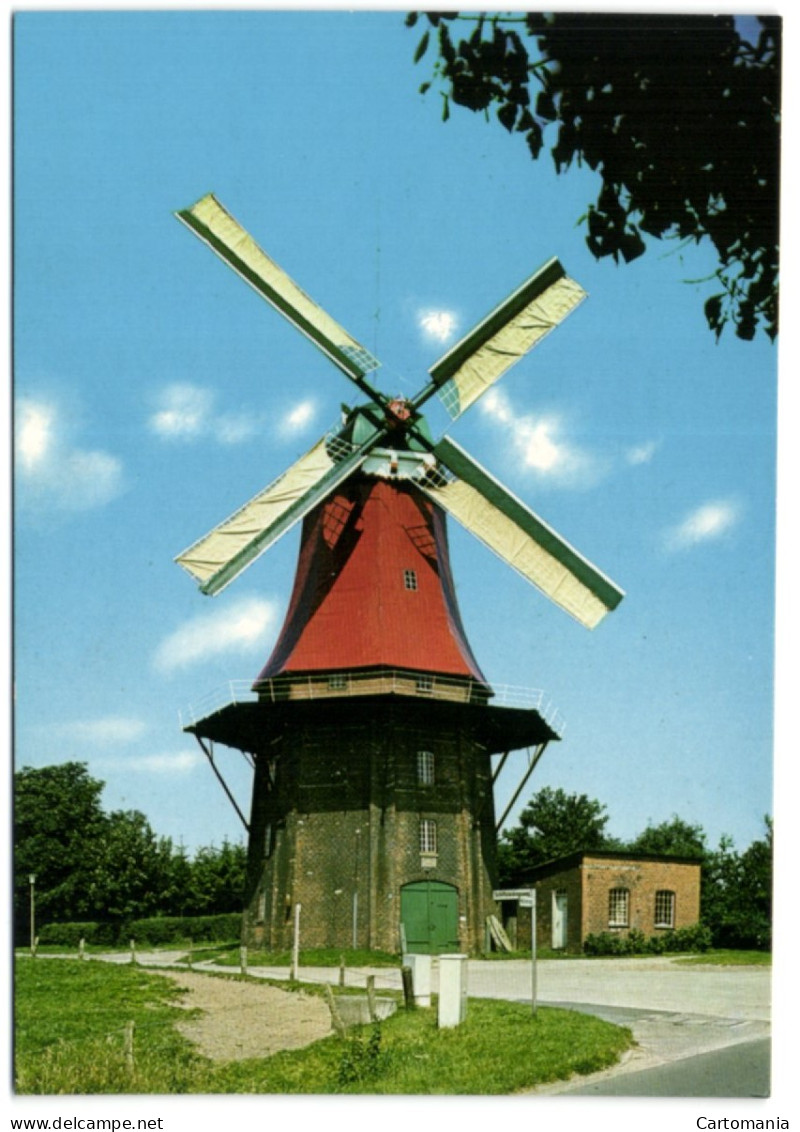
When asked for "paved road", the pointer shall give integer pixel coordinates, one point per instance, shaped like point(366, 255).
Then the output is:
point(741, 1070)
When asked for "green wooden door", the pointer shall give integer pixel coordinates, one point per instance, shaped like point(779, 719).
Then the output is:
point(429, 911)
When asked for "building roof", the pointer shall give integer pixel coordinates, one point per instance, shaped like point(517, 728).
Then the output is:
point(373, 588)
point(580, 856)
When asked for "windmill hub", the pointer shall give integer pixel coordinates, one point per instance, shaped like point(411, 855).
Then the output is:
point(404, 455)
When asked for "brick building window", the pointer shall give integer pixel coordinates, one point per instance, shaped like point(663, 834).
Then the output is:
point(425, 768)
point(427, 836)
point(410, 579)
point(665, 909)
point(618, 904)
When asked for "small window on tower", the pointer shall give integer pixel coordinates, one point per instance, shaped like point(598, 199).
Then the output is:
point(410, 579)
point(424, 683)
point(337, 682)
point(427, 836)
point(425, 770)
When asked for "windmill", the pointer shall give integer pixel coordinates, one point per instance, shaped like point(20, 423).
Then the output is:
point(372, 726)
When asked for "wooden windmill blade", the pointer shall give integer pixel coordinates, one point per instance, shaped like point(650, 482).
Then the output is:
point(221, 555)
point(215, 226)
point(507, 334)
point(522, 539)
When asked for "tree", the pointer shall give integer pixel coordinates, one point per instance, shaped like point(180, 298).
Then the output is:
point(674, 838)
point(133, 870)
point(217, 879)
point(552, 825)
point(58, 826)
point(736, 898)
point(679, 115)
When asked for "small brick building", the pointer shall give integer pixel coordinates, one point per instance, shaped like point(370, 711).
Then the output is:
point(587, 893)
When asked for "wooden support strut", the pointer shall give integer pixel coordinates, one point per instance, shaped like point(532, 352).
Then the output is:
point(209, 753)
point(531, 767)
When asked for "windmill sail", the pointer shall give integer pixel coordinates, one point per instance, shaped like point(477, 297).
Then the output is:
point(225, 236)
point(513, 328)
point(522, 539)
point(215, 560)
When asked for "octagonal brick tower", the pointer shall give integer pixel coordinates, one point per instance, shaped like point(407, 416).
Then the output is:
point(372, 736)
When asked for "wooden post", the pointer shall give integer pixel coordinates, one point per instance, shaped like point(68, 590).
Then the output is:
point(34, 946)
point(373, 1014)
point(336, 1018)
point(133, 951)
point(408, 988)
point(81, 948)
point(341, 970)
point(243, 960)
point(295, 943)
point(189, 960)
point(129, 1062)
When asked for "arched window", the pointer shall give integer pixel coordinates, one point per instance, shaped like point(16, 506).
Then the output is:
point(618, 907)
point(665, 908)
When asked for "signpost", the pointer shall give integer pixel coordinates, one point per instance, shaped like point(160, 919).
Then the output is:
point(525, 898)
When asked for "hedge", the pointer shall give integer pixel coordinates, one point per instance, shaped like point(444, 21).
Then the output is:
point(153, 931)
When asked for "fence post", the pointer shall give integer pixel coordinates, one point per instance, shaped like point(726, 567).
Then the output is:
point(81, 948)
point(243, 960)
point(373, 1016)
point(341, 970)
point(336, 1018)
point(408, 988)
point(295, 943)
point(129, 1062)
point(133, 951)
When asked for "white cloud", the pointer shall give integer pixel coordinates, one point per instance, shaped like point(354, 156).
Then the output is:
point(241, 626)
point(438, 324)
point(186, 412)
point(707, 522)
point(166, 763)
point(55, 473)
point(109, 730)
point(183, 413)
point(178, 762)
point(232, 428)
point(298, 417)
point(642, 453)
point(34, 434)
point(540, 443)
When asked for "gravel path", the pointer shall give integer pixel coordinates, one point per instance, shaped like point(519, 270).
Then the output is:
point(242, 1020)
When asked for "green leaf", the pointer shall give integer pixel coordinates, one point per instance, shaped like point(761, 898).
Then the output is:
point(422, 46)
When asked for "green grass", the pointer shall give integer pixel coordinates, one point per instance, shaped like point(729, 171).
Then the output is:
point(730, 958)
point(314, 957)
point(70, 1018)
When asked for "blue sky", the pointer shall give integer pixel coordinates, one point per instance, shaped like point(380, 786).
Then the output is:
point(155, 393)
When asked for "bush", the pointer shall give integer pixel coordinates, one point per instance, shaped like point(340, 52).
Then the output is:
point(695, 938)
point(151, 932)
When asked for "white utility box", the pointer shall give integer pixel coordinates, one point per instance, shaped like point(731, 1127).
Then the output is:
point(452, 990)
point(420, 966)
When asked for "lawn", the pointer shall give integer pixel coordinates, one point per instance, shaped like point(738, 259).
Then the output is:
point(72, 1018)
point(730, 958)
